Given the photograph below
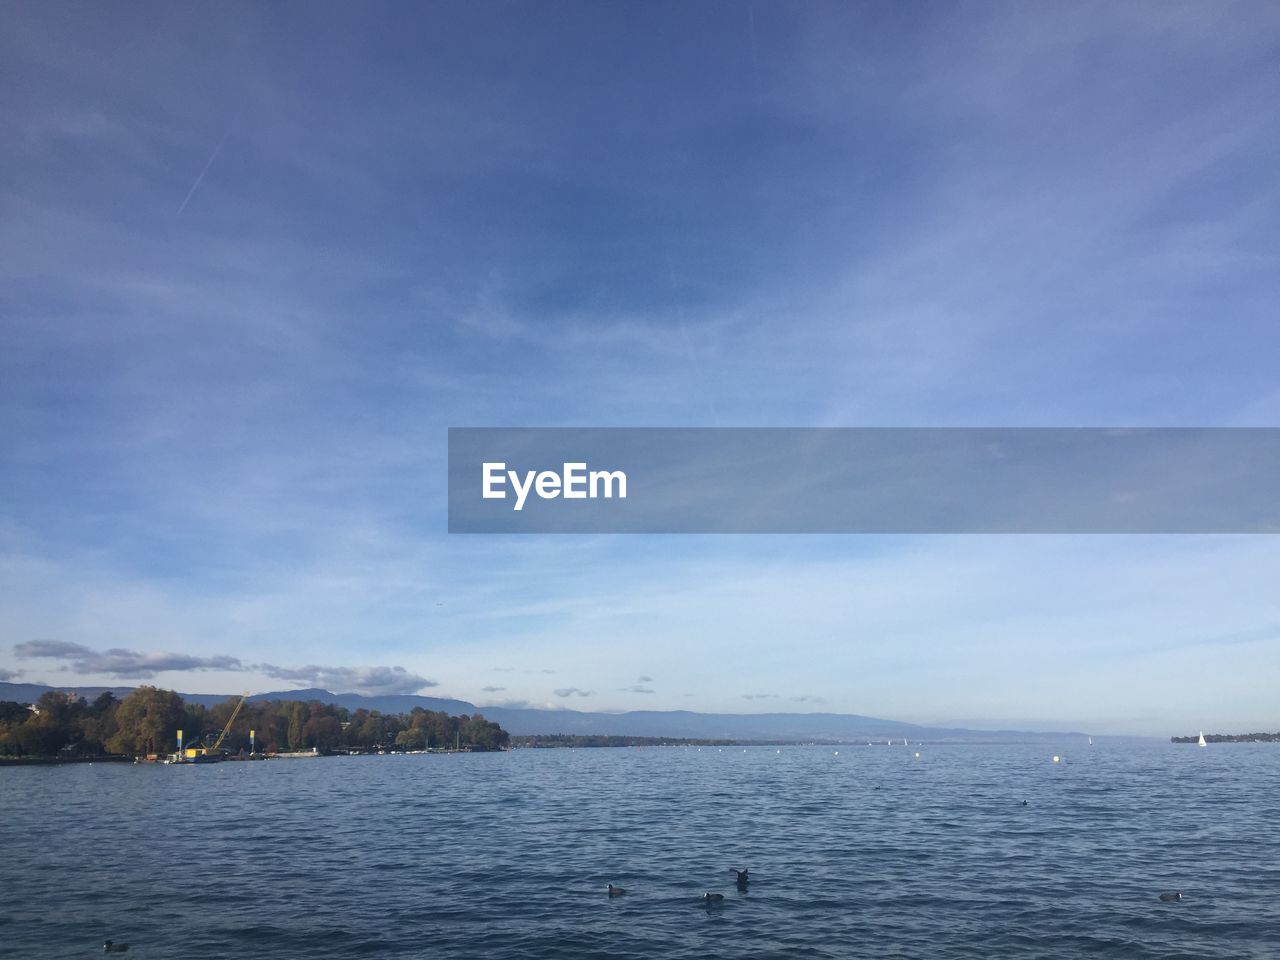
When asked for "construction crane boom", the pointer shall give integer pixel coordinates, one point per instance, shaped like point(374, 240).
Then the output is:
point(227, 729)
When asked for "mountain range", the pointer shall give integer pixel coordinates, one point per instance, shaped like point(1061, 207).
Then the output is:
point(522, 721)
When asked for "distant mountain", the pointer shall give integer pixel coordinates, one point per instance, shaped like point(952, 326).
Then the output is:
point(386, 703)
point(636, 723)
point(30, 692)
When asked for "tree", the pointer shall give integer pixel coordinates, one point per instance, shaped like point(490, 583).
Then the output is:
point(411, 738)
point(147, 719)
point(322, 732)
point(297, 720)
point(484, 734)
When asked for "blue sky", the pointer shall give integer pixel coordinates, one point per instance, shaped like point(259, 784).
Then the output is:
point(254, 261)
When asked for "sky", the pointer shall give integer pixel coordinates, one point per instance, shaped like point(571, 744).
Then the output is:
point(255, 260)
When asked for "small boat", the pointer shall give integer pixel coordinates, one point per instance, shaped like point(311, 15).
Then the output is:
point(1201, 742)
point(1091, 741)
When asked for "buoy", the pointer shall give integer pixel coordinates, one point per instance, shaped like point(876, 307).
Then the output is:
point(1057, 759)
point(837, 753)
point(917, 756)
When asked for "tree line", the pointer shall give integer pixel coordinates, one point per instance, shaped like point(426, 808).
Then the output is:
point(147, 721)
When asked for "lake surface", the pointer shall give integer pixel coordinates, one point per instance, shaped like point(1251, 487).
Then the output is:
point(871, 853)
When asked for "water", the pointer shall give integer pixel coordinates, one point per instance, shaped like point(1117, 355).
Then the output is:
point(871, 853)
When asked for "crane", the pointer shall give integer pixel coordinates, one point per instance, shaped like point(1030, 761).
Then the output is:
point(227, 729)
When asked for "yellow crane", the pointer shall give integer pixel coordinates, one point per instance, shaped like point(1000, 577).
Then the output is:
point(193, 752)
point(227, 729)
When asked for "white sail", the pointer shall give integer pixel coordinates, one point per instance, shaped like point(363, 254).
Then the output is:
point(1202, 743)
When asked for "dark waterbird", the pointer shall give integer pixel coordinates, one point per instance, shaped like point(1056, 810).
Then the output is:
point(713, 897)
point(112, 947)
point(615, 891)
point(742, 876)
point(1170, 897)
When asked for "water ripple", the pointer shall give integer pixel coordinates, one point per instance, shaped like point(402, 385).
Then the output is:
point(871, 853)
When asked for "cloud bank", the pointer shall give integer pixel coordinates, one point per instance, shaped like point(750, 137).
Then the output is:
point(118, 662)
point(367, 680)
point(133, 664)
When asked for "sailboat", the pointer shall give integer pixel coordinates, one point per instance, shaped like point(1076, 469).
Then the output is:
point(1201, 742)
point(1091, 741)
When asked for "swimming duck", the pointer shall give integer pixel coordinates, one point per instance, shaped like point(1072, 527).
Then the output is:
point(713, 897)
point(615, 891)
point(1170, 897)
point(112, 947)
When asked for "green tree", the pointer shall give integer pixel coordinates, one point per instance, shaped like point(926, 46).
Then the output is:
point(411, 738)
point(147, 721)
point(484, 734)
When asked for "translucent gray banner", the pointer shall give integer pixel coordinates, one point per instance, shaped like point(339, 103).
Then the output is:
point(864, 480)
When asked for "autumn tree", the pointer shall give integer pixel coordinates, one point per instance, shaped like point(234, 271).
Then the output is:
point(146, 720)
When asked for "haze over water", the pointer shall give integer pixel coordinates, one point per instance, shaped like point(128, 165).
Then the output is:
point(868, 853)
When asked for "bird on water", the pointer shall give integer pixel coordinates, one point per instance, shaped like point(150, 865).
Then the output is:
point(1170, 897)
point(615, 891)
point(112, 947)
point(742, 875)
point(713, 897)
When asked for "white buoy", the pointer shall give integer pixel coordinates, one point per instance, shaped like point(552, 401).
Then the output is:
point(917, 756)
point(1057, 759)
point(837, 753)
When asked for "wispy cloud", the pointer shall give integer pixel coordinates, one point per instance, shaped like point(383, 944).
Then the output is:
point(493, 689)
point(636, 688)
point(759, 696)
point(9, 674)
point(572, 692)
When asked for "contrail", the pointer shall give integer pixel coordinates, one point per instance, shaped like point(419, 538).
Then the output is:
point(195, 186)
